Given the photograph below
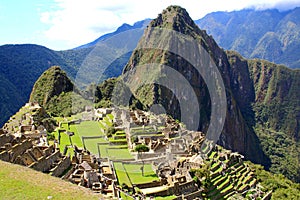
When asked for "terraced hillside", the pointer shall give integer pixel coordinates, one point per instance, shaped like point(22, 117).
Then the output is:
point(230, 175)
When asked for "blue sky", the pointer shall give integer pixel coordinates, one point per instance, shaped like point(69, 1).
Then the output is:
point(65, 24)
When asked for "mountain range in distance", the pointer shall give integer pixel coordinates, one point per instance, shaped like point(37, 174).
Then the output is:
point(262, 118)
point(271, 35)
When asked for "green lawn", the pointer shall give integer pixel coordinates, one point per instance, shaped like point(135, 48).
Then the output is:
point(121, 174)
point(86, 128)
point(135, 173)
point(125, 197)
point(89, 128)
point(114, 152)
point(19, 182)
point(119, 153)
point(91, 144)
point(65, 140)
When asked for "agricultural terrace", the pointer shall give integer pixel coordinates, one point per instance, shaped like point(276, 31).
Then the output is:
point(132, 174)
point(91, 134)
point(86, 129)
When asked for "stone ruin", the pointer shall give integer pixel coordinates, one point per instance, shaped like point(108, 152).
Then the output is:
point(228, 173)
point(23, 151)
point(91, 172)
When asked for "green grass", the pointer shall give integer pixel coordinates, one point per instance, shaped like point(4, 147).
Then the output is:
point(118, 140)
point(166, 197)
point(115, 152)
point(229, 187)
point(125, 197)
point(85, 128)
point(121, 174)
point(135, 173)
point(64, 138)
point(89, 128)
point(18, 182)
point(120, 133)
point(222, 184)
point(119, 154)
point(212, 155)
point(91, 144)
point(110, 116)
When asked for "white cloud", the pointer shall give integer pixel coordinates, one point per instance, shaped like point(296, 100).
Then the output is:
point(75, 22)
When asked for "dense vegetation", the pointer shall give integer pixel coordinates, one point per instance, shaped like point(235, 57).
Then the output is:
point(277, 115)
point(20, 66)
point(57, 94)
point(281, 187)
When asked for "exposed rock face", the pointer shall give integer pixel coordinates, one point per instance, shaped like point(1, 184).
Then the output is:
point(237, 133)
point(51, 83)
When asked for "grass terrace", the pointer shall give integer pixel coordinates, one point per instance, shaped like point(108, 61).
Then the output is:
point(84, 129)
point(132, 174)
point(115, 152)
point(65, 140)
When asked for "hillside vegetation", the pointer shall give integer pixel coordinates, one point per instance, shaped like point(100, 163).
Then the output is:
point(18, 182)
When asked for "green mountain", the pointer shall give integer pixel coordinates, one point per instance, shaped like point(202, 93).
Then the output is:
point(266, 34)
point(57, 94)
point(262, 113)
point(20, 66)
point(51, 83)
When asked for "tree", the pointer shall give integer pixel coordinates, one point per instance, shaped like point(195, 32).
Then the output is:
point(110, 131)
point(141, 148)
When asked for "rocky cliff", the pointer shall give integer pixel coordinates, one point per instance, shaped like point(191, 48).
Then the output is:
point(237, 133)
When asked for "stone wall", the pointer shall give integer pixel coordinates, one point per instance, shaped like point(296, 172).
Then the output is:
point(27, 158)
point(61, 167)
point(191, 196)
point(5, 139)
point(4, 156)
point(149, 185)
point(45, 163)
point(147, 155)
point(48, 151)
point(68, 174)
point(19, 149)
point(185, 188)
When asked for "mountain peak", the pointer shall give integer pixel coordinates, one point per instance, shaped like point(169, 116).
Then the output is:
point(51, 83)
point(175, 18)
